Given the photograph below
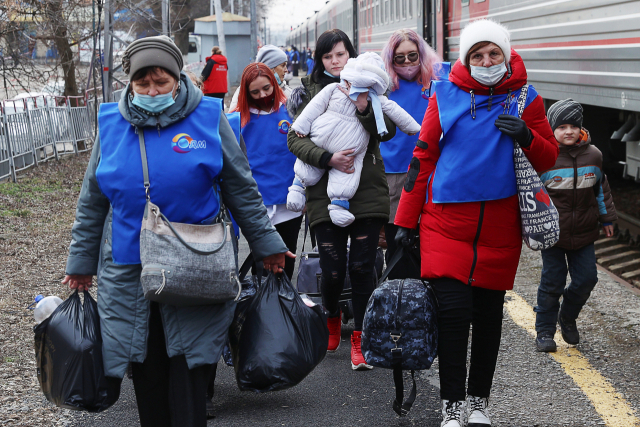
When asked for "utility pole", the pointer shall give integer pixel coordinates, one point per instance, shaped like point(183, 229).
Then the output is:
point(166, 28)
point(264, 22)
point(220, 28)
point(107, 62)
point(254, 30)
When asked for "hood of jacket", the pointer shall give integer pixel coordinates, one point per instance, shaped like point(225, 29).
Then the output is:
point(219, 59)
point(515, 79)
point(187, 100)
point(573, 150)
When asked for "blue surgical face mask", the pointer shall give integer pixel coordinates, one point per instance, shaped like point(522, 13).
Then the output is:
point(153, 104)
point(489, 76)
point(277, 78)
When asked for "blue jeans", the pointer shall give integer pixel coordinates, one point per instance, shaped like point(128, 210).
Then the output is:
point(581, 265)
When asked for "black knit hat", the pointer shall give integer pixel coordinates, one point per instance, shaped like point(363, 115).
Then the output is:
point(565, 112)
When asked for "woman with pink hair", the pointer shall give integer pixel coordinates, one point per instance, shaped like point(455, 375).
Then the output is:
point(411, 64)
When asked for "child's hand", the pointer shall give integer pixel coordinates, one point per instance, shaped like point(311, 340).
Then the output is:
point(608, 230)
point(300, 135)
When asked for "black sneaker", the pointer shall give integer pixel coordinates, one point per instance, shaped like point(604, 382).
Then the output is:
point(545, 342)
point(569, 330)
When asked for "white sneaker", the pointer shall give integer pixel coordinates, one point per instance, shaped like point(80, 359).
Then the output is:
point(477, 414)
point(452, 413)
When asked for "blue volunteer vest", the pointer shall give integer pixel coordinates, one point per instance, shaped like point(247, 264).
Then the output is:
point(234, 121)
point(265, 137)
point(184, 163)
point(414, 99)
point(476, 159)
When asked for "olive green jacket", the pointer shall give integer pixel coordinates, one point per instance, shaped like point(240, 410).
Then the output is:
point(372, 198)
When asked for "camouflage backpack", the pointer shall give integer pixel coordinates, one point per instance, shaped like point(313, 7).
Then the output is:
point(400, 330)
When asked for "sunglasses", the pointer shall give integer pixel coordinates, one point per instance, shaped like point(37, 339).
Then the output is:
point(412, 57)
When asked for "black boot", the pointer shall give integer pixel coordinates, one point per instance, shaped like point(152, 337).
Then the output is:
point(569, 330)
point(545, 342)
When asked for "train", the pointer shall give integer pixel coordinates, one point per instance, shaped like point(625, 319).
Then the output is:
point(588, 50)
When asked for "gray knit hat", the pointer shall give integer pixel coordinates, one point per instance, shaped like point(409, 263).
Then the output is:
point(158, 51)
point(565, 112)
point(271, 56)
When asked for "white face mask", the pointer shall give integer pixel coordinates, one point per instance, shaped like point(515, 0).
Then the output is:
point(488, 76)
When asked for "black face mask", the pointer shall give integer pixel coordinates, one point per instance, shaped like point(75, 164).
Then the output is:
point(265, 103)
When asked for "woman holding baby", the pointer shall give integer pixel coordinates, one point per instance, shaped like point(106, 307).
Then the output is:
point(369, 205)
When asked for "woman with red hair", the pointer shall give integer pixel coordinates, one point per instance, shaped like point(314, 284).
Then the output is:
point(264, 125)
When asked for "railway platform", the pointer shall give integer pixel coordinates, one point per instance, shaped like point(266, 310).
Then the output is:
point(596, 383)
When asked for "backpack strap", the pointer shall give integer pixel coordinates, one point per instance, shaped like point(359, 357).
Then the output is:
point(401, 408)
point(522, 99)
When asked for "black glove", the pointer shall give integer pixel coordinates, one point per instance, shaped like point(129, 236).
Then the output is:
point(405, 237)
point(516, 128)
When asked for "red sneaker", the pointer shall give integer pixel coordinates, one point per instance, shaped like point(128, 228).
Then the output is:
point(335, 328)
point(357, 359)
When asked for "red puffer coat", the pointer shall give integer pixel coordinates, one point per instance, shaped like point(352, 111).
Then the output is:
point(214, 75)
point(475, 242)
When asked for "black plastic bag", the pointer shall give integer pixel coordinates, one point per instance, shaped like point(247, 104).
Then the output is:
point(69, 357)
point(276, 339)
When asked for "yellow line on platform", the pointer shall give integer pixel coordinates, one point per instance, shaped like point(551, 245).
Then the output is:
point(612, 407)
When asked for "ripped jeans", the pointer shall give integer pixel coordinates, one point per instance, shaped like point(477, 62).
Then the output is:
point(332, 246)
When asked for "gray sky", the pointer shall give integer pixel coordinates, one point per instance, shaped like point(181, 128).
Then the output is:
point(283, 14)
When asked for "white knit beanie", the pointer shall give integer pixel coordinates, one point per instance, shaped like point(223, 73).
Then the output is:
point(485, 30)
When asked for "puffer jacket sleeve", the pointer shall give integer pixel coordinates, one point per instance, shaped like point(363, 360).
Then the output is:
point(240, 194)
point(313, 110)
point(91, 212)
point(606, 208)
point(399, 116)
point(544, 149)
point(368, 120)
point(425, 157)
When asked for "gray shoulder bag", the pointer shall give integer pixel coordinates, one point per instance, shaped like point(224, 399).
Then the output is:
point(185, 264)
point(538, 216)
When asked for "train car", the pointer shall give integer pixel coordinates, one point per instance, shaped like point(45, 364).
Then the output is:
point(588, 50)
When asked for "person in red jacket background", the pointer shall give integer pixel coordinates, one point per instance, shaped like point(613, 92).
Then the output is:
point(461, 188)
point(214, 74)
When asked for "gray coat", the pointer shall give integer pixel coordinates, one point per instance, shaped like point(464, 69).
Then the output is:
point(198, 333)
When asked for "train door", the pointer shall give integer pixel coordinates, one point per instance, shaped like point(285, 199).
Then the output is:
point(435, 13)
point(356, 27)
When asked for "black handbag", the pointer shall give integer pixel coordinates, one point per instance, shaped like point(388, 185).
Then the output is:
point(400, 330)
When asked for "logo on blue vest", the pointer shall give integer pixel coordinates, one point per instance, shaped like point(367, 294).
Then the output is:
point(511, 101)
point(425, 92)
point(283, 126)
point(183, 143)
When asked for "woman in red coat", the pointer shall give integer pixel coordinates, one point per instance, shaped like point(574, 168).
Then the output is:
point(461, 189)
point(214, 74)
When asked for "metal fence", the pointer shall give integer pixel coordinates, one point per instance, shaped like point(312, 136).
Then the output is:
point(36, 129)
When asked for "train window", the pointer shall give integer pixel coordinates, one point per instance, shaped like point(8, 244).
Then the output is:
point(397, 10)
point(465, 2)
point(386, 11)
point(410, 12)
point(404, 9)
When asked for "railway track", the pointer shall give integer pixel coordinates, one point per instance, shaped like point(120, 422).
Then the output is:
point(620, 254)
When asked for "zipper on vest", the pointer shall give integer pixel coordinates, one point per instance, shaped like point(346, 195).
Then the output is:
point(473, 104)
point(158, 127)
point(475, 243)
point(374, 158)
point(490, 99)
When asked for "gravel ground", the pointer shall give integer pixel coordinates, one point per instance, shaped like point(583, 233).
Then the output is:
point(530, 389)
point(36, 215)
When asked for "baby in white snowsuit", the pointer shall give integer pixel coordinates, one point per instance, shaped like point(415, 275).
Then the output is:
point(330, 121)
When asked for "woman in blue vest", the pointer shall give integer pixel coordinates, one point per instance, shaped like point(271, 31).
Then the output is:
point(265, 123)
point(461, 193)
point(412, 64)
point(170, 360)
